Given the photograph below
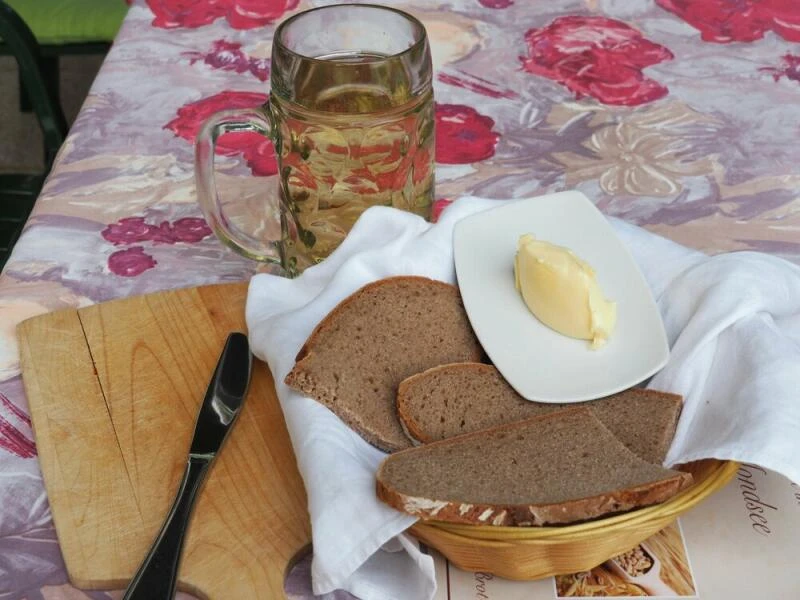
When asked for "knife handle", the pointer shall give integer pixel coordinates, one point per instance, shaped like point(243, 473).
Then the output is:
point(157, 578)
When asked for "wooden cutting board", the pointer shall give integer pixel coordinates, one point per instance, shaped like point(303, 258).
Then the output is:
point(113, 391)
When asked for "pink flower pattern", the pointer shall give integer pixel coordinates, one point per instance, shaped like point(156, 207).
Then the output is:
point(477, 85)
point(12, 439)
point(134, 261)
point(598, 57)
point(258, 151)
point(228, 56)
point(127, 231)
point(130, 262)
point(789, 69)
point(438, 206)
point(189, 230)
point(463, 135)
point(134, 229)
point(496, 3)
point(724, 21)
point(240, 14)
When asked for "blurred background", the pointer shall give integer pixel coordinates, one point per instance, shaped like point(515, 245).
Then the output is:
point(20, 135)
point(59, 46)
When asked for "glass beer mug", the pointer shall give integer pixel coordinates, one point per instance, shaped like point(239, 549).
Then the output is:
point(351, 117)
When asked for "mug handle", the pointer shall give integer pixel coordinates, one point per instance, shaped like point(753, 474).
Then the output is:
point(256, 120)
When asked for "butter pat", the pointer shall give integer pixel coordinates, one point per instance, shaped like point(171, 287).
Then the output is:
point(561, 290)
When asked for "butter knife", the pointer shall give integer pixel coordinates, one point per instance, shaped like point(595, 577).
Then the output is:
point(157, 577)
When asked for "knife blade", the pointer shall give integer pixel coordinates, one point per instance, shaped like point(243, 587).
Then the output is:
point(157, 577)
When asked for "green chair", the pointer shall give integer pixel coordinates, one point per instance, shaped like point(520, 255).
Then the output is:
point(37, 33)
point(63, 27)
point(18, 192)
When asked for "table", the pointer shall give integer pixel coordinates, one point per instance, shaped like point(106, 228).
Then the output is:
point(680, 119)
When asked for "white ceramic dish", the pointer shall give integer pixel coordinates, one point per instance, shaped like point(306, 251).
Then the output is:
point(538, 362)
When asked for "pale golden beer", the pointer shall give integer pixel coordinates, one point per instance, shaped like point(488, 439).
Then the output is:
point(351, 117)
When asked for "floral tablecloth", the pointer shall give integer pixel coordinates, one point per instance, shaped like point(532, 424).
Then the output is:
point(679, 115)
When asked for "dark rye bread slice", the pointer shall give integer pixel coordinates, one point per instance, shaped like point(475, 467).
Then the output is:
point(355, 358)
point(453, 399)
point(553, 469)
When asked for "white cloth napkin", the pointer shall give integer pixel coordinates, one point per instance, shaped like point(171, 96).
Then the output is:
point(733, 323)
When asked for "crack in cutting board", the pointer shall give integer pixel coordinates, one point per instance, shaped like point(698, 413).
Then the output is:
point(108, 409)
point(113, 391)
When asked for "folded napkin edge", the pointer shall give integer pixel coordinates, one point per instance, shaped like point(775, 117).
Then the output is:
point(335, 576)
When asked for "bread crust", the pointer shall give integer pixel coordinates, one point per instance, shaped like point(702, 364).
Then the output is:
point(412, 428)
point(299, 376)
point(534, 515)
point(420, 431)
point(331, 317)
point(527, 515)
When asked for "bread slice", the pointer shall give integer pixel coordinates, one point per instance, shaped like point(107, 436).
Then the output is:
point(453, 399)
point(355, 358)
point(553, 469)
